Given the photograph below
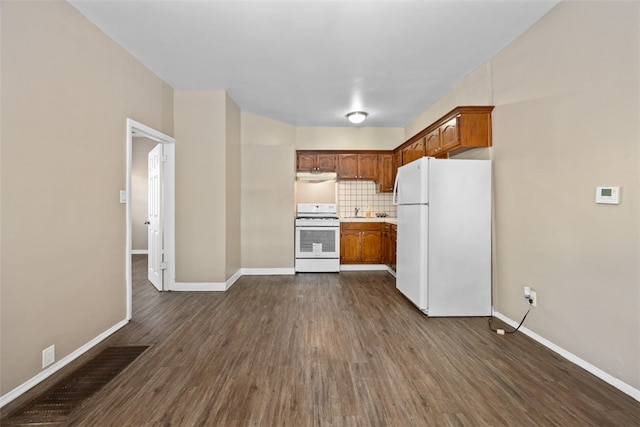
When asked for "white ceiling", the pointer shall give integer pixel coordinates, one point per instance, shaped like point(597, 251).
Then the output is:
point(308, 63)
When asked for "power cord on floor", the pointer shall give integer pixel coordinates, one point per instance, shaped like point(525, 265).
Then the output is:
point(500, 331)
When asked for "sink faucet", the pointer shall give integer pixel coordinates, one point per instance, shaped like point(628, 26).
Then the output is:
point(356, 210)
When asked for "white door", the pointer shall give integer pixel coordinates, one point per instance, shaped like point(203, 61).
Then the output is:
point(460, 238)
point(412, 185)
point(154, 212)
point(412, 255)
point(317, 242)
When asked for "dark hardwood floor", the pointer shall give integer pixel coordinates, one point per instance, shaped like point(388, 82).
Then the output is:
point(334, 349)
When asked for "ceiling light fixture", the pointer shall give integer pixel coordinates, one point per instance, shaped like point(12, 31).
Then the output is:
point(357, 117)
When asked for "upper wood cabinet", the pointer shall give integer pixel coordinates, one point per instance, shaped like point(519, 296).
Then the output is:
point(443, 138)
point(386, 173)
point(316, 162)
point(348, 166)
point(397, 162)
point(368, 166)
point(459, 130)
point(358, 166)
point(449, 136)
point(434, 143)
point(413, 151)
point(373, 165)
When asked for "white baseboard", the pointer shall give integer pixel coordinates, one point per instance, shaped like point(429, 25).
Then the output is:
point(363, 267)
point(268, 271)
point(23, 388)
point(606, 377)
point(139, 252)
point(391, 271)
point(199, 286)
point(207, 286)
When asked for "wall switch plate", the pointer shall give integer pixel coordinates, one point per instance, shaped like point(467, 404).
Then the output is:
point(608, 195)
point(123, 196)
point(48, 356)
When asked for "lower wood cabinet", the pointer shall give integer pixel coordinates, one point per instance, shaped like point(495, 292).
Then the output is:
point(389, 244)
point(361, 242)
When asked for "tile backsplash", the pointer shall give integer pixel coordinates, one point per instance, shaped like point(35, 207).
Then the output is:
point(362, 195)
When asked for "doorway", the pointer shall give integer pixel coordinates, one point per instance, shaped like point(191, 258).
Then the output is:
point(167, 217)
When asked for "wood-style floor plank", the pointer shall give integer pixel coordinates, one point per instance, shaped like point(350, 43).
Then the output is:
point(334, 350)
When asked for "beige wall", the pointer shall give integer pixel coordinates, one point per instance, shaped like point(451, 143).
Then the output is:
point(315, 192)
point(233, 188)
point(348, 138)
point(258, 130)
point(201, 186)
point(269, 191)
point(268, 174)
point(475, 89)
point(67, 90)
point(566, 120)
point(267, 206)
point(139, 189)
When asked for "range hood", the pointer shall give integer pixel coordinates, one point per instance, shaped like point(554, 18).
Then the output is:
point(316, 176)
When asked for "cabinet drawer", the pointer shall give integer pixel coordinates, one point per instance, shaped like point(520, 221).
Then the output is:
point(362, 226)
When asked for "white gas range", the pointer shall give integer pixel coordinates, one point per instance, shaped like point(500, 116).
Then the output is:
point(317, 238)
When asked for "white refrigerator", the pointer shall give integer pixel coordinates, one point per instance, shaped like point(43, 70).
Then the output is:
point(444, 236)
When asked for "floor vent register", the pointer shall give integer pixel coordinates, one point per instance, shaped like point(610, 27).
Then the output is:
point(59, 402)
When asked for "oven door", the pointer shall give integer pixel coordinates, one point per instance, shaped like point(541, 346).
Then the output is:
point(317, 242)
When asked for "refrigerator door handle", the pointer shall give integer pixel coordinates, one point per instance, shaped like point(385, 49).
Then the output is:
point(394, 199)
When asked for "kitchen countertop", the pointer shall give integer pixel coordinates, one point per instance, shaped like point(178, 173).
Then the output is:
point(390, 220)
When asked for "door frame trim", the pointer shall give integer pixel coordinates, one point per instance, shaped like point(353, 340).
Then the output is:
point(168, 280)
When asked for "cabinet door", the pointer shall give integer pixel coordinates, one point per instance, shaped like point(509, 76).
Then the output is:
point(386, 245)
point(348, 166)
point(449, 134)
point(407, 155)
point(433, 142)
point(368, 166)
point(383, 246)
point(397, 162)
point(350, 247)
point(326, 162)
point(418, 149)
point(413, 151)
point(386, 173)
point(306, 162)
point(371, 246)
point(393, 240)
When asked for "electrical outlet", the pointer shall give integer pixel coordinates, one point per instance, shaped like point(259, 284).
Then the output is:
point(48, 356)
point(534, 299)
point(527, 293)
